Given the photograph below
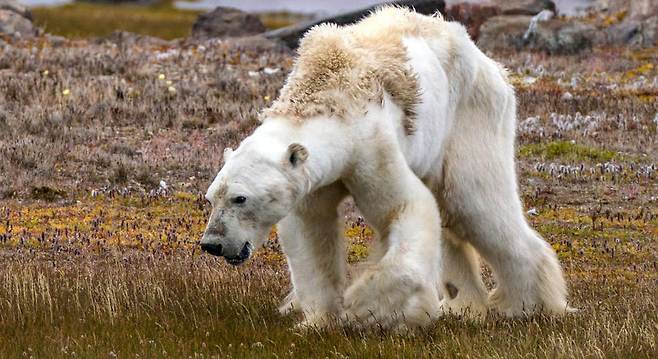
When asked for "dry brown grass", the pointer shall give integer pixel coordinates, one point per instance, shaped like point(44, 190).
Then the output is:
point(97, 261)
point(123, 275)
point(119, 123)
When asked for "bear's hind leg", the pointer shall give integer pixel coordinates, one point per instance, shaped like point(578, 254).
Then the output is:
point(461, 283)
point(479, 194)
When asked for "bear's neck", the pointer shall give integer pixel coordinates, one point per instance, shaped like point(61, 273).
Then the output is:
point(326, 141)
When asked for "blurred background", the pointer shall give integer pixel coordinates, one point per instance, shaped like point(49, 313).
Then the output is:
point(169, 19)
point(165, 71)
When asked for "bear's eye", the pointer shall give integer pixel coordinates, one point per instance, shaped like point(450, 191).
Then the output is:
point(239, 200)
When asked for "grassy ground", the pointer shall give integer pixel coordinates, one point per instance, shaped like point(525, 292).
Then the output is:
point(81, 20)
point(121, 276)
point(98, 260)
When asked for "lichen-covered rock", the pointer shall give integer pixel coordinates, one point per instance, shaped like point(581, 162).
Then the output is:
point(227, 22)
point(642, 33)
point(643, 8)
point(15, 6)
point(12, 23)
point(555, 36)
point(503, 32)
point(566, 36)
point(639, 27)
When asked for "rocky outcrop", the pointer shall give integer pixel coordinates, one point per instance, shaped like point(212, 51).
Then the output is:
point(503, 32)
point(15, 19)
point(632, 23)
point(226, 22)
point(554, 35)
point(16, 7)
point(639, 27)
point(290, 35)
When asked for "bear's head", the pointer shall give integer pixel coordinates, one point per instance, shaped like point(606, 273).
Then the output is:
point(257, 186)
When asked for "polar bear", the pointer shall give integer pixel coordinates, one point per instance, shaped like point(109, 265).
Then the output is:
point(404, 113)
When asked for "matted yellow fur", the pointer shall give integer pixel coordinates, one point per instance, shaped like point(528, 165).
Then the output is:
point(339, 70)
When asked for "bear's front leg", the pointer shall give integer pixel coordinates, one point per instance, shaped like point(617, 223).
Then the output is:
point(400, 288)
point(391, 295)
point(311, 239)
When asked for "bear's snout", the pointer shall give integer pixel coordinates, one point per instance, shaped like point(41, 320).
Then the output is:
point(244, 254)
point(210, 248)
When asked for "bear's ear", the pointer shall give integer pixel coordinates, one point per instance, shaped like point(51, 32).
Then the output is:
point(228, 151)
point(296, 154)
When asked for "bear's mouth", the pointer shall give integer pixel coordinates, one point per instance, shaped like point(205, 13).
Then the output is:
point(245, 253)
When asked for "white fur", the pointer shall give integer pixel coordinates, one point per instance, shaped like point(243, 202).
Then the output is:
point(460, 158)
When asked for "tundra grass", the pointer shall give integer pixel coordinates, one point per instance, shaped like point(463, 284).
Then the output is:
point(567, 151)
point(123, 276)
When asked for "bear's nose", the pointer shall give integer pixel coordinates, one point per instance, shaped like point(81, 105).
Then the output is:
point(214, 249)
point(245, 253)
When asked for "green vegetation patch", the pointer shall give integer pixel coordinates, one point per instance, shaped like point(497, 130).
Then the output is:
point(79, 20)
point(565, 150)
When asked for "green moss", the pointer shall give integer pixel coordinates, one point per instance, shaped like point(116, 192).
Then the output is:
point(279, 19)
point(79, 20)
point(567, 151)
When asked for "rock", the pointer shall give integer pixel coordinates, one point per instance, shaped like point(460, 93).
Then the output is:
point(12, 23)
point(642, 33)
point(563, 36)
point(639, 27)
point(16, 19)
point(471, 15)
point(554, 36)
point(643, 9)
point(290, 35)
point(524, 7)
point(474, 14)
point(503, 32)
point(16, 7)
point(227, 22)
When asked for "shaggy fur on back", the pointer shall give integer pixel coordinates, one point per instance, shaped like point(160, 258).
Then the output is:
point(339, 70)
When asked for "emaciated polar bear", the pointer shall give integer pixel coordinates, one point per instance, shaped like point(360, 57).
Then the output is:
point(404, 113)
